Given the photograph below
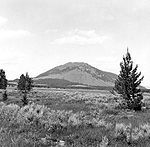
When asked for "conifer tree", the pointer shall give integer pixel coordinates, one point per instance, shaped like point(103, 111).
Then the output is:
point(127, 83)
point(21, 83)
point(29, 82)
point(3, 80)
point(25, 85)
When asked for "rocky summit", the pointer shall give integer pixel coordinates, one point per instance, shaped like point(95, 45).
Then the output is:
point(76, 73)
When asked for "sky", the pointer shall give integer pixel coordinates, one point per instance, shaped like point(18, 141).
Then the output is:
point(37, 35)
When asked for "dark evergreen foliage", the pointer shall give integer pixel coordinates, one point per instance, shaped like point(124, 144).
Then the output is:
point(3, 80)
point(22, 82)
point(127, 84)
point(5, 96)
point(25, 85)
point(25, 99)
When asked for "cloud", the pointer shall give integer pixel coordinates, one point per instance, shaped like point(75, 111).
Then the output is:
point(10, 33)
point(81, 37)
point(144, 4)
point(3, 20)
point(13, 34)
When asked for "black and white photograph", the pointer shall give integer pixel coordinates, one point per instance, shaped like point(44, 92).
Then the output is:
point(74, 73)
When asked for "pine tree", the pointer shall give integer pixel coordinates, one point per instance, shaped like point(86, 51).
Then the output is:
point(127, 84)
point(28, 82)
point(3, 80)
point(25, 85)
point(21, 83)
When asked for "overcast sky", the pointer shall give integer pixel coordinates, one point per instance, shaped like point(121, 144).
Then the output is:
point(37, 35)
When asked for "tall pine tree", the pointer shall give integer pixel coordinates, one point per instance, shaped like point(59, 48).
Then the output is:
point(127, 84)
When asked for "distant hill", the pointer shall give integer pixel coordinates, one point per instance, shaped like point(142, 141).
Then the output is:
point(76, 73)
point(55, 82)
point(15, 80)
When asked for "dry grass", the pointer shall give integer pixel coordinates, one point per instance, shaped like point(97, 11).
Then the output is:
point(79, 118)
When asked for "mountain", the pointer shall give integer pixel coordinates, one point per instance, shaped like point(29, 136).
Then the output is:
point(76, 73)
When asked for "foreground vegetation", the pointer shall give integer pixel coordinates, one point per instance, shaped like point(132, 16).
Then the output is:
point(54, 117)
point(71, 118)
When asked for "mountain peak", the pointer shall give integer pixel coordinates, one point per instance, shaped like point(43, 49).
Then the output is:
point(74, 64)
point(80, 72)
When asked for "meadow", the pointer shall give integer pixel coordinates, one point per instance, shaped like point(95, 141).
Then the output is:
point(72, 118)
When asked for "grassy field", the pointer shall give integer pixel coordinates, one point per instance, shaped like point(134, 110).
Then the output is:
point(61, 117)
